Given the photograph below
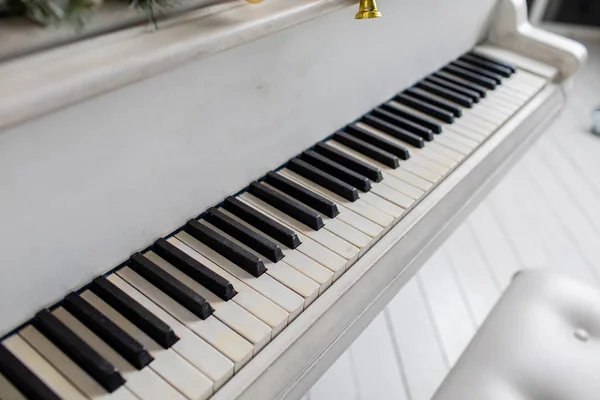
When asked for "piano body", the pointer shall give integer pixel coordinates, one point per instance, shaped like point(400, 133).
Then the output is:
point(133, 134)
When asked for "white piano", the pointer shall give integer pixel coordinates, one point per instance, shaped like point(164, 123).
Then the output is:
point(218, 208)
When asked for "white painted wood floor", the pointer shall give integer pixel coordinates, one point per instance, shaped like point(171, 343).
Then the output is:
point(545, 213)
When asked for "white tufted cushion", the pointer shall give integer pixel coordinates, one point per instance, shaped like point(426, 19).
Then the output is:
point(533, 345)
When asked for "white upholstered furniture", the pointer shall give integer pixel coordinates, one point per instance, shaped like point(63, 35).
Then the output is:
point(541, 341)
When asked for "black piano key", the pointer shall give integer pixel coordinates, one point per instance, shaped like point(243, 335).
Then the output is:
point(490, 66)
point(454, 109)
point(403, 123)
point(380, 142)
point(510, 67)
point(324, 179)
point(171, 286)
point(360, 182)
point(228, 249)
point(129, 348)
point(302, 194)
point(367, 149)
point(262, 222)
point(256, 242)
point(83, 355)
point(434, 126)
point(480, 90)
point(470, 76)
point(390, 129)
point(478, 70)
point(286, 205)
point(425, 108)
point(194, 269)
point(137, 314)
point(22, 378)
point(445, 93)
point(371, 172)
point(470, 94)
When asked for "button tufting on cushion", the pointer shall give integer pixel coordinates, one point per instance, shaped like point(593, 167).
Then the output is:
point(540, 342)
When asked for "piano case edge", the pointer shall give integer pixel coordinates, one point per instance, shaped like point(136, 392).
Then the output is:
point(296, 359)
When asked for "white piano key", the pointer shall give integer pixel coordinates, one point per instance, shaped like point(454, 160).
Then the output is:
point(421, 172)
point(249, 299)
point(470, 144)
point(281, 272)
point(519, 83)
point(382, 204)
point(359, 222)
point(167, 363)
point(248, 326)
point(41, 368)
point(315, 250)
point(493, 106)
point(400, 186)
point(431, 153)
point(451, 143)
point(509, 93)
point(503, 98)
point(145, 383)
point(486, 113)
point(464, 129)
point(505, 95)
point(349, 234)
point(190, 346)
point(434, 166)
point(466, 113)
point(498, 109)
point(484, 116)
point(309, 267)
point(281, 295)
point(324, 256)
point(221, 337)
point(69, 369)
point(469, 134)
point(473, 122)
point(457, 125)
point(305, 260)
point(344, 248)
point(524, 83)
point(398, 173)
point(296, 281)
point(322, 236)
point(448, 153)
point(8, 391)
point(379, 203)
point(360, 207)
point(416, 154)
point(522, 76)
point(393, 196)
point(346, 232)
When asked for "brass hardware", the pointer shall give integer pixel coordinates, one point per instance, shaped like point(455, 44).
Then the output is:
point(367, 10)
point(254, 1)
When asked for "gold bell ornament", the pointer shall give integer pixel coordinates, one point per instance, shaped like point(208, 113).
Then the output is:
point(367, 10)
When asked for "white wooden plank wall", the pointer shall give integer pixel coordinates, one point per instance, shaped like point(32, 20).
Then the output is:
point(545, 213)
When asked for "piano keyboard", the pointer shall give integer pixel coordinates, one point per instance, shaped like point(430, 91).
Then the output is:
point(178, 320)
